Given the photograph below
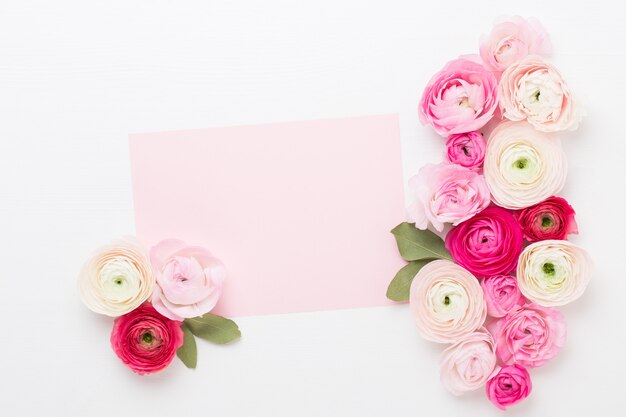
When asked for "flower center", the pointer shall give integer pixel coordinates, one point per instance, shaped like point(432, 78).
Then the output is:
point(521, 163)
point(118, 281)
point(147, 337)
point(546, 222)
point(446, 300)
point(536, 95)
point(464, 102)
point(548, 269)
point(465, 151)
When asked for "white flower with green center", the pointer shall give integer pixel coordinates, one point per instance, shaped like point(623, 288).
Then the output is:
point(447, 302)
point(117, 279)
point(523, 166)
point(553, 272)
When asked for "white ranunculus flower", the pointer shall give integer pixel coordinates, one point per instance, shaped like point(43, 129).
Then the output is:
point(553, 272)
point(117, 279)
point(523, 166)
point(446, 301)
point(534, 90)
point(468, 364)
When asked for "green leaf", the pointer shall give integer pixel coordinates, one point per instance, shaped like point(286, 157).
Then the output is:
point(214, 328)
point(415, 244)
point(399, 287)
point(188, 352)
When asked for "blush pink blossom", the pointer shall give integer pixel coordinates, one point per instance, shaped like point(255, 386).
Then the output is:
point(511, 385)
point(501, 294)
point(189, 279)
point(446, 193)
point(529, 335)
point(512, 39)
point(466, 149)
point(145, 340)
point(460, 98)
point(488, 243)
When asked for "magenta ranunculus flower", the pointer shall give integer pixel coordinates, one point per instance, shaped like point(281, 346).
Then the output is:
point(466, 149)
point(460, 98)
point(145, 340)
point(552, 219)
point(487, 244)
point(501, 294)
point(529, 335)
point(446, 193)
point(509, 386)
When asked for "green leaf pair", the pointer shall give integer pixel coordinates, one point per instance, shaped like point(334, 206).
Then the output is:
point(210, 327)
point(419, 247)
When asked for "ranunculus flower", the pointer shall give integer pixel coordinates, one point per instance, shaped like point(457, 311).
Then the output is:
point(117, 278)
point(510, 386)
point(469, 363)
point(523, 166)
point(487, 244)
point(189, 279)
point(466, 149)
point(145, 340)
point(529, 335)
point(446, 301)
point(446, 193)
point(501, 294)
point(512, 39)
point(534, 90)
point(460, 98)
point(553, 218)
point(553, 272)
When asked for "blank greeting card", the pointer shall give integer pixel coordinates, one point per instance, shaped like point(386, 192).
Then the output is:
point(299, 212)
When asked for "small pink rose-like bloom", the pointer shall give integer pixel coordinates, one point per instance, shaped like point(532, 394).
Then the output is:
point(487, 244)
point(529, 335)
point(460, 98)
point(466, 149)
point(511, 385)
point(446, 302)
point(469, 363)
point(446, 193)
point(553, 218)
point(501, 294)
point(189, 279)
point(511, 40)
point(534, 90)
point(145, 340)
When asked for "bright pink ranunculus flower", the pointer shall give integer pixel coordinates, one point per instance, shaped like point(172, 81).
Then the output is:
point(501, 294)
point(509, 386)
point(460, 98)
point(487, 244)
point(466, 149)
point(145, 340)
point(529, 335)
point(552, 219)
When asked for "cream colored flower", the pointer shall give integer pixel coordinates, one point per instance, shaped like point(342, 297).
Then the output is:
point(117, 278)
point(469, 363)
point(534, 90)
point(446, 301)
point(523, 166)
point(553, 272)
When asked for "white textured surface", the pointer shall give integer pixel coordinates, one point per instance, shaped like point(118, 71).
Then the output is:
point(76, 77)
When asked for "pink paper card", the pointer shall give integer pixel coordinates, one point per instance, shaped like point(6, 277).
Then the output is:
point(299, 213)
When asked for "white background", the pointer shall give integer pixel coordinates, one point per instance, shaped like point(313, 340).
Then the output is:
point(77, 76)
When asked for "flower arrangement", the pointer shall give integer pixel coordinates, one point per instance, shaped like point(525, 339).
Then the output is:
point(490, 286)
point(160, 300)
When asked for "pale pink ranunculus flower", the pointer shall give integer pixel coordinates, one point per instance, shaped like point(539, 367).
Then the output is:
point(529, 335)
point(534, 90)
point(446, 301)
point(460, 98)
point(446, 193)
point(188, 279)
point(501, 294)
point(512, 39)
point(469, 363)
